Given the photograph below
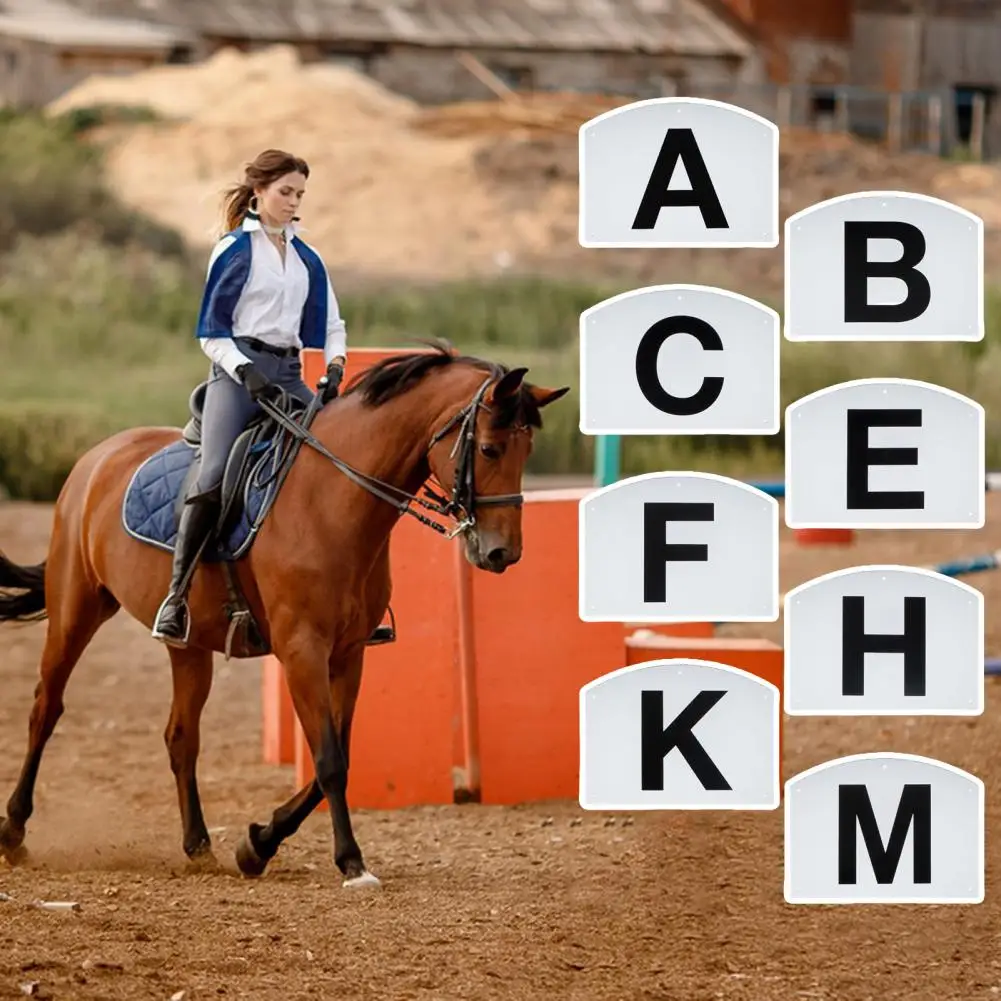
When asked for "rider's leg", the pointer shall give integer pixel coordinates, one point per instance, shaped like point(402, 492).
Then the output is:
point(288, 375)
point(227, 410)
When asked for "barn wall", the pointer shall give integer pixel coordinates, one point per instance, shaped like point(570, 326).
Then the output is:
point(434, 75)
point(33, 73)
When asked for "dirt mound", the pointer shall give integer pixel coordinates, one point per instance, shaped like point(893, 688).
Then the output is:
point(529, 115)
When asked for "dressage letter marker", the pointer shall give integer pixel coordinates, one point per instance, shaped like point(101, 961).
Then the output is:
point(679, 735)
point(678, 172)
point(885, 453)
point(884, 640)
point(679, 359)
point(678, 547)
point(884, 266)
point(884, 829)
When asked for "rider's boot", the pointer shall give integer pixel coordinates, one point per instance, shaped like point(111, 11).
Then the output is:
point(198, 517)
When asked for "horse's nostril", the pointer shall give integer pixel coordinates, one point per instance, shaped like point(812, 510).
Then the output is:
point(497, 557)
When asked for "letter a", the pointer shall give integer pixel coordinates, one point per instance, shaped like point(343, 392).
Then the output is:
point(630, 195)
point(680, 145)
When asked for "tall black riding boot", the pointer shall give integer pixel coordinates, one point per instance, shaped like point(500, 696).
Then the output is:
point(198, 517)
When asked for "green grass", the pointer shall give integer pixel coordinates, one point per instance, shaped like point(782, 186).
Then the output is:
point(104, 339)
point(98, 305)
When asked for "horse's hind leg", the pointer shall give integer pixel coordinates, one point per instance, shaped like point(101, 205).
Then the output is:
point(192, 671)
point(76, 610)
point(261, 842)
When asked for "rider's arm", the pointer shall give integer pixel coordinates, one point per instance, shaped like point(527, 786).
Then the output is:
point(225, 353)
point(335, 347)
point(223, 350)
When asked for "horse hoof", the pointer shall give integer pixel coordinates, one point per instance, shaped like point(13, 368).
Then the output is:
point(247, 859)
point(15, 856)
point(12, 844)
point(203, 861)
point(364, 881)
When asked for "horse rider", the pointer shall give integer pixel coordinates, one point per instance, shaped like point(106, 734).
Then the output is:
point(266, 296)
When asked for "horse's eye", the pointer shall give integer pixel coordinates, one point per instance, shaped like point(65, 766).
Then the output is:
point(490, 451)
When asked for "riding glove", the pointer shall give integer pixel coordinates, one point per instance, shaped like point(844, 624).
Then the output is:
point(258, 385)
point(332, 382)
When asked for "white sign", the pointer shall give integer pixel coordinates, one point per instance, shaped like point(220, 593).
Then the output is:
point(884, 640)
point(679, 359)
point(885, 453)
point(884, 829)
point(678, 547)
point(678, 172)
point(679, 735)
point(884, 266)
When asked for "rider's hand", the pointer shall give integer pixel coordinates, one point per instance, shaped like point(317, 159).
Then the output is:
point(331, 382)
point(258, 385)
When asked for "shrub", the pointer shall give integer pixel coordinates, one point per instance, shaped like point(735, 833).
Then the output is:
point(53, 180)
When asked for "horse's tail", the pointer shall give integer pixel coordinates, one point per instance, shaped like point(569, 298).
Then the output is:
point(29, 604)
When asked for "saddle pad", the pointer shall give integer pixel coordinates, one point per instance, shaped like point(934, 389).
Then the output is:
point(149, 503)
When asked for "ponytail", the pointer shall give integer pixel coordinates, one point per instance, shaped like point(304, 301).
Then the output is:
point(238, 199)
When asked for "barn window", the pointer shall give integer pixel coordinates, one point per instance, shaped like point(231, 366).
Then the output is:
point(823, 104)
point(516, 77)
point(962, 96)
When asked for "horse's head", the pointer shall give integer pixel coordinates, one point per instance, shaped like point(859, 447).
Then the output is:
point(479, 459)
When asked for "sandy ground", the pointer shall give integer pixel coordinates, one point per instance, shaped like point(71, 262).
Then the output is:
point(544, 901)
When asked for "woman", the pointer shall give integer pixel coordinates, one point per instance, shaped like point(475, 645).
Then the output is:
point(267, 295)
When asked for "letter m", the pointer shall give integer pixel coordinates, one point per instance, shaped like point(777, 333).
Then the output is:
point(855, 807)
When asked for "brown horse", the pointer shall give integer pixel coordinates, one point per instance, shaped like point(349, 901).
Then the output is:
point(317, 577)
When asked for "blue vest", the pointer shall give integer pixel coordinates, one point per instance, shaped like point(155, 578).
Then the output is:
point(228, 276)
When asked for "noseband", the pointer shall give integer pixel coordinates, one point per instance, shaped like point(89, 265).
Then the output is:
point(464, 501)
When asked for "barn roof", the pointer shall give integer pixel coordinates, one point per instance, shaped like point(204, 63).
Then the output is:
point(683, 27)
point(58, 23)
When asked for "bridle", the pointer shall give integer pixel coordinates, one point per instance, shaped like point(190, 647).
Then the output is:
point(464, 502)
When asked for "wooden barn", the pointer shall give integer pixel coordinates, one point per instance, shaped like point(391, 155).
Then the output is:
point(641, 47)
point(944, 48)
point(47, 46)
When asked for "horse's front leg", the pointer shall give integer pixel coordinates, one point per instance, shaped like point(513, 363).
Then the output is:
point(261, 842)
point(319, 705)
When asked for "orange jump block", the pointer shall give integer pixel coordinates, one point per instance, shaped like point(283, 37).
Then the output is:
point(278, 725)
point(759, 657)
point(824, 536)
point(699, 630)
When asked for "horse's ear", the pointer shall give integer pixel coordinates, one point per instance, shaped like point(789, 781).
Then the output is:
point(543, 397)
point(507, 385)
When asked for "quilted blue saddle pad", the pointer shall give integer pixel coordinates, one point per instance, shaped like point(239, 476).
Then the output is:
point(149, 504)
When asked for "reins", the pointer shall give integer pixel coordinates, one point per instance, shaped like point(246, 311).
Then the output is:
point(464, 501)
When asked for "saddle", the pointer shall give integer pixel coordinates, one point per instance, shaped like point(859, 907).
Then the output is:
point(252, 451)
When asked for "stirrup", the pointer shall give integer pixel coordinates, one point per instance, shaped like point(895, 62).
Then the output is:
point(383, 633)
point(163, 637)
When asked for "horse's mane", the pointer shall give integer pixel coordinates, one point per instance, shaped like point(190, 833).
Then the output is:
point(393, 376)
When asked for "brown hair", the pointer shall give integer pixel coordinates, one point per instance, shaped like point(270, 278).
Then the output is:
point(266, 168)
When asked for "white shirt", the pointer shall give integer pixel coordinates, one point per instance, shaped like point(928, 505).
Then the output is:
point(270, 306)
